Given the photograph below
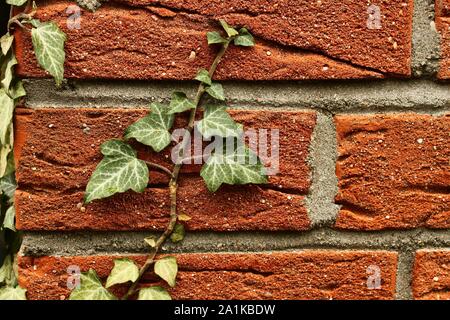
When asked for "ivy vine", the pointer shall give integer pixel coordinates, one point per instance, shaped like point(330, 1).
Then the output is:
point(121, 170)
point(48, 43)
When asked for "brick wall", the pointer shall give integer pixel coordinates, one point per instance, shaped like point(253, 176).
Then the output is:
point(364, 181)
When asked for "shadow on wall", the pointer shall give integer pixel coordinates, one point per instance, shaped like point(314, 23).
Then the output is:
point(4, 16)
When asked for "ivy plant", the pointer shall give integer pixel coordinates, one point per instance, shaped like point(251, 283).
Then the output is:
point(122, 170)
point(48, 42)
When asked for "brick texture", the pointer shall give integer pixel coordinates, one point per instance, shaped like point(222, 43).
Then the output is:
point(57, 149)
point(297, 275)
point(393, 171)
point(431, 277)
point(295, 40)
point(443, 26)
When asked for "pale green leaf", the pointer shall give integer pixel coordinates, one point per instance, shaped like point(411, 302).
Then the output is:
point(216, 91)
point(6, 114)
point(245, 39)
point(153, 130)
point(6, 42)
point(9, 222)
point(240, 167)
point(8, 72)
point(17, 90)
point(203, 76)
point(5, 152)
point(48, 42)
point(154, 293)
point(184, 217)
point(119, 171)
point(178, 233)
point(231, 32)
point(8, 185)
point(167, 269)
point(215, 38)
point(10, 293)
point(124, 270)
point(7, 274)
point(91, 288)
point(150, 241)
point(217, 122)
point(180, 103)
point(17, 3)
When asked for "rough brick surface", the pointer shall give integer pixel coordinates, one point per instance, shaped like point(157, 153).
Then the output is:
point(393, 171)
point(296, 275)
point(431, 277)
point(443, 26)
point(296, 40)
point(57, 150)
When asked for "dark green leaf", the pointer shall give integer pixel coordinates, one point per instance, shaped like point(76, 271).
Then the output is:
point(203, 76)
point(178, 233)
point(180, 103)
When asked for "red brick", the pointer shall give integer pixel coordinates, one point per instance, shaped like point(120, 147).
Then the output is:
point(431, 276)
point(55, 159)
point(144, 39)
point(443, 26)
point(393, 171)
point(295, 275)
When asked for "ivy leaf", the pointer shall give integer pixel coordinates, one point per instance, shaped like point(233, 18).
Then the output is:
point(48, 42)
point(150, 241)
point(8, 222)
point(119, 171)
point(240, 167)
point(154, 293)
point(124, 270)
point(7, 274)
point(167, 269)
point(6, 42)
point(231, 32)
point(178, 233)
point(184, 217)
point(17, 91)
point(203, 76)
point(180, 103)
point(10, 293)
point(91, 288)
point(215, 38)
point(217, 122)
point(17, 3)
point(8, 185)
point(153, 130)
point(6, 114)
point(8, 72)
point(245, 39)
point(216, 91)
point(5, 152)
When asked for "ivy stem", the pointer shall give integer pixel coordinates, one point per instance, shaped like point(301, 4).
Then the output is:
point(173, 184)
point(159, 167)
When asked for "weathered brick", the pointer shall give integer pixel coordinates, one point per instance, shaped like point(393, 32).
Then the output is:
point(145, 39)
point(443, 26)
point(431, 276)
point(393, 171)
point(56, 155)
point(294, 275)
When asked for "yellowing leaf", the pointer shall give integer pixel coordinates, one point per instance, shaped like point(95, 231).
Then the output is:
point(10, 293)
point(167, 269)
point(124, 270)
point(154, 293)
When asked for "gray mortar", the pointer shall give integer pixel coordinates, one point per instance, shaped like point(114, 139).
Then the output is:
point(425, 40)
point(322, 161)
point(94, 243)
point(404, 275)
point(334, 96)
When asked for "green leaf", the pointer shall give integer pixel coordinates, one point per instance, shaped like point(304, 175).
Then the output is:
point(203, 76)
point(215, 38)
point(10, 293)
point(48, 42)
point(17, 3)
point(216, 91)
point(240, 167)
point(91, 288)
point(124, 270)
point(7, 274)
point(6, 42)
point(217, 122)
point(8, 185)
point(167, 269)
point(9, 167)
point(178, 233)
point(8, 73)
point(17, 91)
point(245, 39)
point(153, 130)
point(180, 103)
point(9, 222)
point(119, 171)
point(6, 114)
point(231, 32)
point(154, 293)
